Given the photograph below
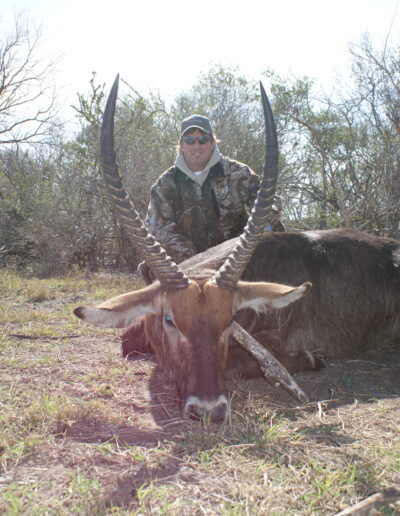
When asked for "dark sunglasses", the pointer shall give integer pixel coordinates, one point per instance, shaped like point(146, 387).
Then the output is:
point(191, 140)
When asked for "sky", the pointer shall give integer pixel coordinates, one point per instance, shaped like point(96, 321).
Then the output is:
point(163, 45)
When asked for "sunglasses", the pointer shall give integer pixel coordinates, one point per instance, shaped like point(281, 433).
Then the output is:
point(191, 140)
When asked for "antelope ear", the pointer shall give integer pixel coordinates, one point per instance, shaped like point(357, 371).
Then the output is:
point(259, 296)
point(120, 311)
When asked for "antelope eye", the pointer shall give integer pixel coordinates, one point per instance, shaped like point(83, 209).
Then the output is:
point(168, 320)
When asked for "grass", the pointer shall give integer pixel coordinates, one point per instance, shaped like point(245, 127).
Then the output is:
point(81, 496)
point(84, 432)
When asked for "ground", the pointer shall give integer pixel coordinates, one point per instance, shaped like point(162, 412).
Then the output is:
point(84, 431)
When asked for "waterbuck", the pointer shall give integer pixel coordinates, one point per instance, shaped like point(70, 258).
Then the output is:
point(239, 291)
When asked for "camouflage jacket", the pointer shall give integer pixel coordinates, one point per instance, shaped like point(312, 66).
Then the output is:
point(187, 218)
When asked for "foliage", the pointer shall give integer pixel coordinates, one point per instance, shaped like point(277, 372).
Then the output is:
point(339, 158)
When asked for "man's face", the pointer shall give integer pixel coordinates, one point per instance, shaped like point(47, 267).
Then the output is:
point(196, 155)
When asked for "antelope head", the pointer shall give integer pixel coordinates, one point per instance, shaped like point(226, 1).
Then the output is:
point(189, 318)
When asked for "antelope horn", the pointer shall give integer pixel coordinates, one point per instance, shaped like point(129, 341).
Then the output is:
point(166, 271)
point(233, 267)
point(272, 369)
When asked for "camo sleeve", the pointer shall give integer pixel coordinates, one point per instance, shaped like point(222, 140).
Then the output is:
point(161, 220)
point(248, 186)
point(244, 184)
point(242, 189)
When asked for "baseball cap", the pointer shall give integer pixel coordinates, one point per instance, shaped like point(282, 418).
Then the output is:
point(196, 122)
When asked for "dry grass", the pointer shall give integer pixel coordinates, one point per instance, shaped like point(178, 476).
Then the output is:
point(84, 432)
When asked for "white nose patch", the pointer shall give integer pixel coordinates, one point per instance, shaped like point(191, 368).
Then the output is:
point(205, 406)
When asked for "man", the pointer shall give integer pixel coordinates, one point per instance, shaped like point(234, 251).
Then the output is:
point(203, 199)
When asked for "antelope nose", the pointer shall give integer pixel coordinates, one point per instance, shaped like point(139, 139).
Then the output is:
point(219, 413)
point(216, 410)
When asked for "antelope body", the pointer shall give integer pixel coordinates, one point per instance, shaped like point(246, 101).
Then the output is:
point(353, 306)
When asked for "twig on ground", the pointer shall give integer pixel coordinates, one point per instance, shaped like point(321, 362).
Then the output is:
point(41, 337)
point(374, 501)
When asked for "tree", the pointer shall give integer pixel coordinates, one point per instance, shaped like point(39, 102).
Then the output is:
point(313, 146)
point(142, 150)
point(376, 73)
point(340, 151)
point(27, 98)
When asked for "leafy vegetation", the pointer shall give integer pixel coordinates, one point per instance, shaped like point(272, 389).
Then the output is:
point(339, 158)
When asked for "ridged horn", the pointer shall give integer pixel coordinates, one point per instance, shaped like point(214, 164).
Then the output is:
point(166, 271)
point(232, 269)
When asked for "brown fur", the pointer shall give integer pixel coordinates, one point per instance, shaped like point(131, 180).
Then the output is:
point(134, 341)
point(196, 340)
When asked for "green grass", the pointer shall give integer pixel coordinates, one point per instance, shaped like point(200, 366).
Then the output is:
point(82, 496)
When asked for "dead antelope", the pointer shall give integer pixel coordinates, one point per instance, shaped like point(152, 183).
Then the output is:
point(194, 315)
point(190, 315)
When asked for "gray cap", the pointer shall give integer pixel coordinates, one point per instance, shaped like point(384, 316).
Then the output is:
point(196, 122)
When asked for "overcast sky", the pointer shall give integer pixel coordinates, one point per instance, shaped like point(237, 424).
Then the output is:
point(164, 45)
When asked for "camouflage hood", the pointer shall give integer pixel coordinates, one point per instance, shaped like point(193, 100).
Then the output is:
point(198, 178)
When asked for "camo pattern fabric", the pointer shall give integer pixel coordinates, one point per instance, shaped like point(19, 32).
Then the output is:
point(187, 218)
